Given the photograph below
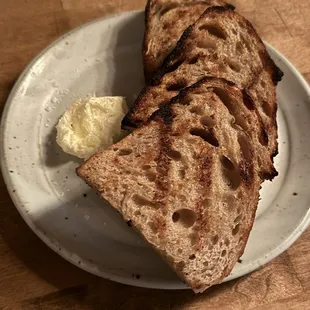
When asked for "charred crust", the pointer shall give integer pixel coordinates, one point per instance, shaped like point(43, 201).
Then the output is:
point(275, 72)
point(268, 63)
point(177, 51)
point(164, 113)
point(275, 153)
point(173, 65)
point(129, 123)
point(278, 74)
point(131, 120)
point(268, 175)
point(230, 6)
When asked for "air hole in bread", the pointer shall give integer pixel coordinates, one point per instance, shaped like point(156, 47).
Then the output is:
point(207, 121)
point(142, 201)
point(182, 173)
point(214, 30)
point(175, 217)
point(137, 213)
point(206, 263)
point(232, 107)
point(178, 85)
point(215, 239)
point(227, 163)
point(166, 25)
point(222, 67)
point(180, 251)
point(248, 102)
point(263, 137)
point(231, 174)
point(153, 227)
point(263, 84)
point(224, 252)
point(151, 176)
point(235, 230)
point(206, 135)
point(175, 155)
point(207, 43)
point(231, 202)
point(227, 242)
point(146, 167)
point(206, 203)
point(239, 48)
point(184, 217)
point(267, 108)
point(224, 96)
point(192, 256)
point(115, 149)
point(234, 31)
point(233, 65)
point(124, 152)
point(186, 99)
point(238, 219)
point(244, 146)
point(196, 110)
point(239, 210)
point(193, 238)
point(193, 60)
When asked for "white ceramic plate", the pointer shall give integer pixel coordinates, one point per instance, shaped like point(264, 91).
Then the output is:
point(104, 58)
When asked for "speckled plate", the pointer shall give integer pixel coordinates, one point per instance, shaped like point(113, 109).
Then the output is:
point(104, 58)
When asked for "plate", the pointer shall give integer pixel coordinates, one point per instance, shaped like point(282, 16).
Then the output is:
point(104, 58)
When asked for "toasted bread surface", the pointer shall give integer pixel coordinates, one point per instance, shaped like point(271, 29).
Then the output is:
point(188, 180)
point(220, 43)
point(165, 21)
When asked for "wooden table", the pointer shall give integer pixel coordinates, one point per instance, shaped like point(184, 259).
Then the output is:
point(33, 277)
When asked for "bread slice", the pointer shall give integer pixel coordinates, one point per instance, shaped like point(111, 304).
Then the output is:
point(165, 21)
point(188, 180)
point(222, 44)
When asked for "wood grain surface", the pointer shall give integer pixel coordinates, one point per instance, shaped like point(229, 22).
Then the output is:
point(33, 277)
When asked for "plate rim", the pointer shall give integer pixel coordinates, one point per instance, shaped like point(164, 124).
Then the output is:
point(299, 229)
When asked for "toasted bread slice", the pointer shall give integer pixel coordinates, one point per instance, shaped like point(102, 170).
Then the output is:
point(187, 180)
point(222, 44)
point(165, 21)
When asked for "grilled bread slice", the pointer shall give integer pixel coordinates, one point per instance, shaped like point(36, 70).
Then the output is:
point(165, 21)
point(222, 44)
point(188, 180)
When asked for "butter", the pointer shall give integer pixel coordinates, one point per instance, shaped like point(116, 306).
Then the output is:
point(90, 125)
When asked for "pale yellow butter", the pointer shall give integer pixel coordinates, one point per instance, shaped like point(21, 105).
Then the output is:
point(90, 125)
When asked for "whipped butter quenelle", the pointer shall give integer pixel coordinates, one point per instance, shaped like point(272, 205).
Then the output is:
point(90, 125)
